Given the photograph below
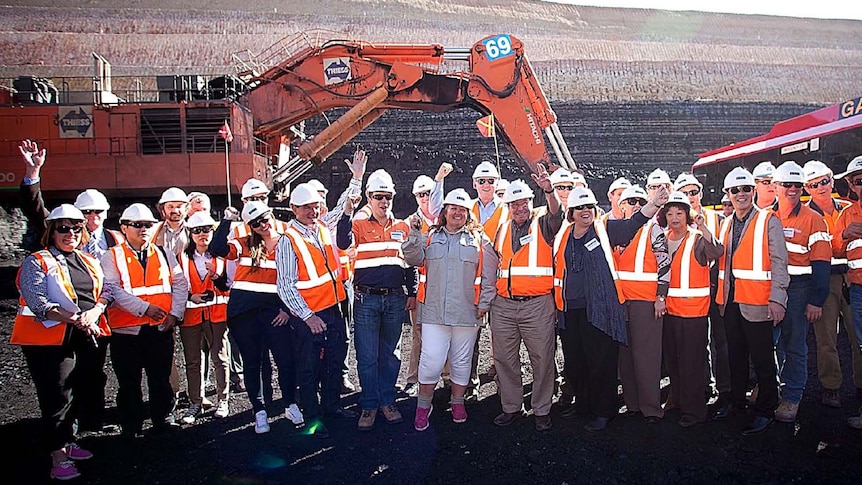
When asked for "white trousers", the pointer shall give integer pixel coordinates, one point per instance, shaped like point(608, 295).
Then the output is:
point(440, 342)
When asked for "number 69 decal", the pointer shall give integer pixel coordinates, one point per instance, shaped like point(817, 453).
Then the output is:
point(498, 47)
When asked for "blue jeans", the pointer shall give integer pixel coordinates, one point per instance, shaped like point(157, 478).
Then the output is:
point(792, 347)
point(377, 321)
point(856, 311)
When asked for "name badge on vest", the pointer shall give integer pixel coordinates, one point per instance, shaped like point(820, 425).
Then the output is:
point(789, 232)
point(526, 239)
point(591, 244)
point(397, 235)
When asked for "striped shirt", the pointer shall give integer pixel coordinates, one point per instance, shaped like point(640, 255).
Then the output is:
point(286, 263)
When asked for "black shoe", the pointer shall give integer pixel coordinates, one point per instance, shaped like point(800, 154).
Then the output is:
point(505, 419)
point(597, 424)
point(570, 412)
point(238, 387)
point(759, 424)
point(342, 413)
point(722, 412)
point(564, 401)
point(653, 419)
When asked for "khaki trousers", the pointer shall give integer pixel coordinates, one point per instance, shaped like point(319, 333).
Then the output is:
point(640, 362)
point(826, 334)
point(193, 338)
point(530, 321)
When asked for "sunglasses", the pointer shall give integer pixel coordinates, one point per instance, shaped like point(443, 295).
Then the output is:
point(654, 187)
point(201, 230)
point(486, 181)
point(260, 198)
point(91, 211)
point(822, 183)
point(788, 185)
point(640, 202)
point(562, 188)
point(584, 207)
point(259, 222)
point(764, 182)
point(68, 229)
point(856, 182)
point(692, 192)
point(381, 196)
point(422, 195)
point(726, 204)
point(139, 225)
point(735, 190)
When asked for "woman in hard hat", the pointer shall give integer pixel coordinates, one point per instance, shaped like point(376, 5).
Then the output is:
point(456, 285)
point(60, 314)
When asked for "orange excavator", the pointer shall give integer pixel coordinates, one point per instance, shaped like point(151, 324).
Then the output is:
point(298, 80)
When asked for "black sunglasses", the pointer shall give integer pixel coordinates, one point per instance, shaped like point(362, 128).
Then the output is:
point(735, 190)
point(259, 221)
point(139, 225)
point(68, 229)
point(486, 181)
point(765, 182)
point(382, 196)
point(856, 182)
point(636, 201)
point(422, 195)
point(787, 185)
point(822, 183)
point(260, 198)
point(90, 211)
point(201, 230)
point(691, 193)
point(564, 187)
point(584, 207)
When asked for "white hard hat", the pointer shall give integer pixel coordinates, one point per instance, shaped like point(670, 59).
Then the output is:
point(486, 170)
point(789, 171)
point(578, 178)
point(634, 192)
point(304, 194)
point(318, 186)
point(460, 198)
point(517, 190)
point(174, 194)
point(854, 166)
point(423, 183)
point(501, 185)
point(657, 177)
point(677, 197)
point(254, 209)
point(763, 170)
point(381, 173)
point(581, 196)
point(380, 184)
point(620, 183)
point(65, 211)
point(738, 177)
point(725, 198)
point(685, 179)
point(815, 169)
point(137, 212)
point(561, 175)
point(253, 187)
point(92, 199)
point(200, 219)
point(204, 198)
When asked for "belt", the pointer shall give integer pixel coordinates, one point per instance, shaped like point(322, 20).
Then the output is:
point(522, 298)
point(378, 291)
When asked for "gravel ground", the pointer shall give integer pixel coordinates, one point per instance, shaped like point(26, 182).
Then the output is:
point(819, 447)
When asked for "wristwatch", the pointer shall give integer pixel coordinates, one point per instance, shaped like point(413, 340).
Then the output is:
point(660, 298)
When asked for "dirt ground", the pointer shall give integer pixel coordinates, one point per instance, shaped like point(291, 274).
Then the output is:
point(818, 448)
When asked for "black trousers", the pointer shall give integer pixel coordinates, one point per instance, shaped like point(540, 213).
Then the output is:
point(751, 339)
point(151, 351)
point(685, 343)
point(90, 386)
point(319, 359)
point(590, 364)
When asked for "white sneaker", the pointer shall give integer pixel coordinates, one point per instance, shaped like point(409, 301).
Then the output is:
point(222, 410)
point(293, 413)
point(261, 425)
point(192, 414)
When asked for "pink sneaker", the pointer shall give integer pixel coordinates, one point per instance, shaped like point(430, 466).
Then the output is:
point(459, 413)
point(65, 471)
point(75, 452)
point(421, 420)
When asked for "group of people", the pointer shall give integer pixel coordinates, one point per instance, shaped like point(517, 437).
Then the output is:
point(656, 279)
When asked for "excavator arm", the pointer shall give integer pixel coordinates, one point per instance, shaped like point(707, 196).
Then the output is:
point(370, 79)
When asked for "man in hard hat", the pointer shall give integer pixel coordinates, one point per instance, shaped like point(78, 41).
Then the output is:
point(765, 197)
point(819, 183)
point(726, 206)
point(563, 182)
point(524, 308)
point(429, 201)
point(379, 304)
point(847, 243)
point(752, 295)
point(614, 192)
point(150, 293)
point(718, 367)
point(488, 209)
point(171, 233)
point(656, 179)
point(310, 285)
point(500, 187)
point(809, 265)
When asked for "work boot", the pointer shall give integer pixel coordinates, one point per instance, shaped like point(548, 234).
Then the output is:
point(366, 419)
point(505, 419)
point(831, 398)
point(392, 414)
point(543, 423)
point(786, 412)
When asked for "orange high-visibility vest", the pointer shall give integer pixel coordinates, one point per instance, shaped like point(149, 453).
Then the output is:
point(379, 245)
point(346, 264)
point(710, 219)
point(530, 271)
point(638, 268)
point(318, 279)
point(688, 294)
point(807, 239)
point(214, 311)
point(751, 265)
point(831, 221)
point(560, 242)
point(477, 283)
point(27, 331)
point(153, 285)
point(849, 248)
point(497, 220)
point(242, 231)
point(248, 277)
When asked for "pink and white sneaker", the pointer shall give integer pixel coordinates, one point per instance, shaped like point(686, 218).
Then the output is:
point(65, 471)
point(75, 452)
point(420, 422)
point(459, 413)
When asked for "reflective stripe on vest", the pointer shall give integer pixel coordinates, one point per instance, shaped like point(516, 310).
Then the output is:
point(318, 279)
point(637, 267)
point(379, 245)
point(138, 281)
point(530, 271)
point(688, 294)
point(215, 310)
point(497, 220)
point(753, 276)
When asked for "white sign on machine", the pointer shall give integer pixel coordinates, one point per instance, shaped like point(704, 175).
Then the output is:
point(75, 121)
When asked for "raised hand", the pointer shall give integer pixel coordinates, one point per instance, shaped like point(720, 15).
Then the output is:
point(231, 214)
point(357, 166)
point(542, 178)
point(444, 170)
point(33, 158)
